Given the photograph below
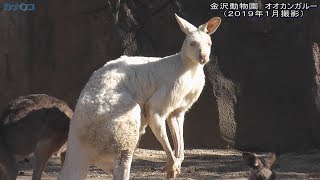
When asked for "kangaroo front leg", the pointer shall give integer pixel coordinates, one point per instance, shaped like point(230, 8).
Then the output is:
point(175, 124)
point(158, 127)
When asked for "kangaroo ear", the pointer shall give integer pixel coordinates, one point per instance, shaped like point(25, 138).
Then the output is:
point(251, 160)
point(185, 26)
point(211, 26)
point(270, 160)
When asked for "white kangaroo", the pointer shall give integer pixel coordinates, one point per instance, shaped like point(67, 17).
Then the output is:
point(130, 93)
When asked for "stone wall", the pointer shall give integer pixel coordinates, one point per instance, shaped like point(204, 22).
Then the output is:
point(262, 87)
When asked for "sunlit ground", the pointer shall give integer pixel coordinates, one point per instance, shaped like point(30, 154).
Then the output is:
point(199, 164)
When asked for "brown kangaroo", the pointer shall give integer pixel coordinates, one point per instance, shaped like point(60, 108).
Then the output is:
point(261, 168)
point(37, 124)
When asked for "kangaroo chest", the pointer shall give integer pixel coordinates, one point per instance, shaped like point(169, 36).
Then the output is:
point(189, 91)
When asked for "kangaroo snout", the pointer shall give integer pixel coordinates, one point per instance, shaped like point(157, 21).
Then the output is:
point(203, 58)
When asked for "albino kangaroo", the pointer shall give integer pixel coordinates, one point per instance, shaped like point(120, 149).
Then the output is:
point(130, 93)
point(261, 169)
point(36, 124)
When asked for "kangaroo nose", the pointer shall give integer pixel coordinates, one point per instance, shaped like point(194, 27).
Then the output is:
point(202, 56)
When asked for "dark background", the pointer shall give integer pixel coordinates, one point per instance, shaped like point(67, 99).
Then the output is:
point(262, 90)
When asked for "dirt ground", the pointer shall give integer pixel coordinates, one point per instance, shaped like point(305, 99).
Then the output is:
point(199, 164)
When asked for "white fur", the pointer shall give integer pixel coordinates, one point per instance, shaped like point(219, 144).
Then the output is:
point(127, 94)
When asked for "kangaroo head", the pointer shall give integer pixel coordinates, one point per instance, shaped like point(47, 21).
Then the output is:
point(261, 168)
point(197, 45)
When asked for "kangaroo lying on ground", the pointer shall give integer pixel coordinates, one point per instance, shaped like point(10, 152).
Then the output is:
point(36, 124)
point(126, 95)
point(261, 168)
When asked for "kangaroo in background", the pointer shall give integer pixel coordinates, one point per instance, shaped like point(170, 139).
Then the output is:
point(36, 124)
point(261, 168)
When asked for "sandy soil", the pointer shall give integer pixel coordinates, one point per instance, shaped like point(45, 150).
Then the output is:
point(198, 164)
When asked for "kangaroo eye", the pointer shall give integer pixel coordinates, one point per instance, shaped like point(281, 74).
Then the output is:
point(192, 43)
